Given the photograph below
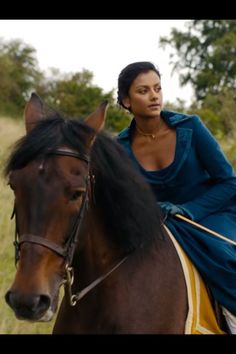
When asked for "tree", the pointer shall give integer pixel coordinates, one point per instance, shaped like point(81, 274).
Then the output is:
point(77, 96)
point(117, 118)
point(19, 74)
point(72, 93)
point(206, 55)
point(218, 112)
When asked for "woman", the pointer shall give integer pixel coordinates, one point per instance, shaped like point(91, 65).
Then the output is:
point(189, 175)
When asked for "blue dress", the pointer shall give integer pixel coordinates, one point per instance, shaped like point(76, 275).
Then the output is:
point(203, 181)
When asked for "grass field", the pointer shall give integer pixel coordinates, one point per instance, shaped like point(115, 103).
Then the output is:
point(10, 131)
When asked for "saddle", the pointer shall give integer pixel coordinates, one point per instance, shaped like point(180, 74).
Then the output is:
point(219, 314)
point(204, 314)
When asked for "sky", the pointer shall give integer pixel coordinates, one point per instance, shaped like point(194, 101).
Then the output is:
point(103, 47)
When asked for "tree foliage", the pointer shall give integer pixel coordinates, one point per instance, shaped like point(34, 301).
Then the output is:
point(76, 95)
point(72, 93)
point(218, 112)
point(206, 55)
point(19, 74)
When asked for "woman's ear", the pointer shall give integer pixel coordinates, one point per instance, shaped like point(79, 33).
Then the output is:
point(126, 102)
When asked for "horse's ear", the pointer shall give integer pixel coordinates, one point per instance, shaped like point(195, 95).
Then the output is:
point(96, 120)
point(33, 112)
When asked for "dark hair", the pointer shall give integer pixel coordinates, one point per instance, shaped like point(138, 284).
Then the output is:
point(129, 74)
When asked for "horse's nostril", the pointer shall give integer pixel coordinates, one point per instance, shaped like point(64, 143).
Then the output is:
point(7, 297)
point(44, 301)
point(28, 306)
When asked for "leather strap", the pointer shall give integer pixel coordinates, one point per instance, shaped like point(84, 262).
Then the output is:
point(43, 242)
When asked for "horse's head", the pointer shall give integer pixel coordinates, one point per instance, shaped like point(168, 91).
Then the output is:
point(49, 174)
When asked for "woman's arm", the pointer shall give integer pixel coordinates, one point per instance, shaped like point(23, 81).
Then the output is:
point(220, 170)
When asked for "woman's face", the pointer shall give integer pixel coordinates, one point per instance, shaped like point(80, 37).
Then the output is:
point(145, 95)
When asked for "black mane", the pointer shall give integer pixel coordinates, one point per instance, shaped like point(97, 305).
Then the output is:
point(124, 200)
point(48, 135)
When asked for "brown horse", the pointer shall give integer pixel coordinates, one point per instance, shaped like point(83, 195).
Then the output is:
point(80, 205)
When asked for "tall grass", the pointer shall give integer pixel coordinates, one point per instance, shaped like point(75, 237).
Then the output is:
point(10, 131)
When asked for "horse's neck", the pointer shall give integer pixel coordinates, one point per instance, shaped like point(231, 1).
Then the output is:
point(97, 253)
point(137, 297)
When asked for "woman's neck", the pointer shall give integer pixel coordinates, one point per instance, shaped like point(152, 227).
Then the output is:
point(149, 128)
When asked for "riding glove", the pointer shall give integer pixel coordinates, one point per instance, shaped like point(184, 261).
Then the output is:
point(169, 208)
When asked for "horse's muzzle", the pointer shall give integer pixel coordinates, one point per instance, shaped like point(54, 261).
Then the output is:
point(31, 307)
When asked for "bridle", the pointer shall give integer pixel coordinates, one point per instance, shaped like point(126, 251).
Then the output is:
point(66, 252)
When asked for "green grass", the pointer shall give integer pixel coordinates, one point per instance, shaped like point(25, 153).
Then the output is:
point(10, 131)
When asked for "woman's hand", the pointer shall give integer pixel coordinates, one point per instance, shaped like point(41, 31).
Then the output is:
point(169, 208)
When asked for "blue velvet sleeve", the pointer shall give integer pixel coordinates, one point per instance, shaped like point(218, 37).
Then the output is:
point(219, 169)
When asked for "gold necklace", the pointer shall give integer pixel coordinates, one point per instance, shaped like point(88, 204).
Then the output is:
point(150, 135)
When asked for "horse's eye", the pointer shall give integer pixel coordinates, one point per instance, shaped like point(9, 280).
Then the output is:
point(76, 195)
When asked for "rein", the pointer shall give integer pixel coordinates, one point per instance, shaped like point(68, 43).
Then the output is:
point(74, 298)
point(68, 251)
